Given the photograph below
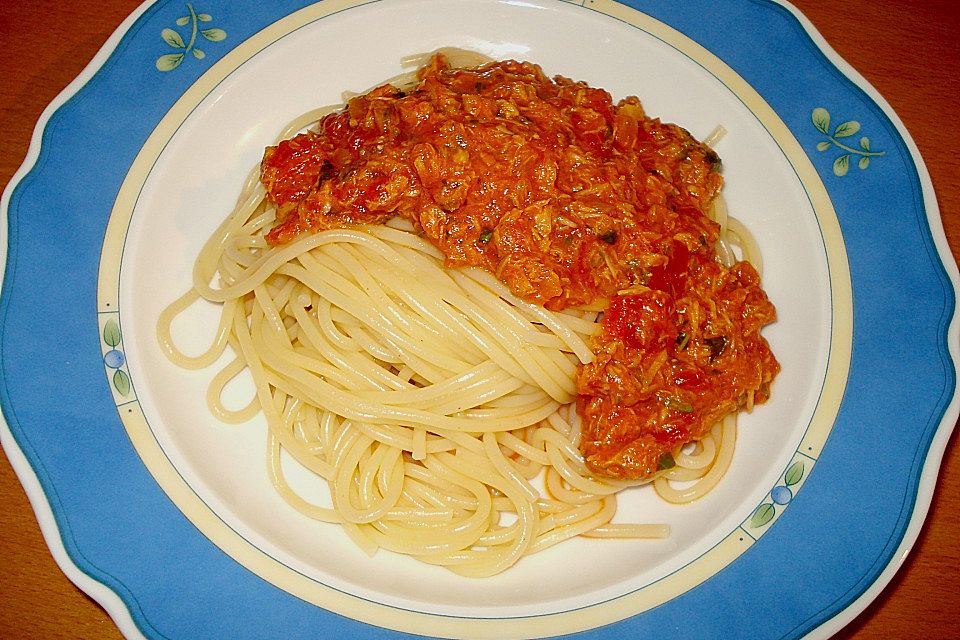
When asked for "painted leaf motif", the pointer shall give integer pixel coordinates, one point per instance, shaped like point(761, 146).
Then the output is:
point(846, 129)
point(204, 17)
point(841, 165)
point(865, 143)
point(762, 515)
point(121, 381)
point(172, 38)
point(111, 333)
point(794, 474)
point(821, 119)
point(864, 162)
point(182, 20)
point(823, 146)
point(214, 35)
point(198, 54)
point(169, 62)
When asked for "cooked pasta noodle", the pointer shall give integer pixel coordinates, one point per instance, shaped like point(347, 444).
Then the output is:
point(438, 407)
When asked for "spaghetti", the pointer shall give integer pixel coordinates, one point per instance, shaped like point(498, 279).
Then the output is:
point(438, 405)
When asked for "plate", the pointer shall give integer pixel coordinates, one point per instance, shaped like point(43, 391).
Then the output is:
point(193, 96)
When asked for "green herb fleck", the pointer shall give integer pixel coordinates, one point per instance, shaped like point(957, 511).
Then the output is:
point(666, 462)
point(679, 405)
point(485, 236)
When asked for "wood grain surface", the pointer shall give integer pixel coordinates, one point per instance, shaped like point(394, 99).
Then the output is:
point(908, 50)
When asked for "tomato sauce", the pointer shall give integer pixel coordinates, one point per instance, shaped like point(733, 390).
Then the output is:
point(570, 199)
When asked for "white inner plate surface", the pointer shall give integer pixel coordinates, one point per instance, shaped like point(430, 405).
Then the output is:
point(198, 176)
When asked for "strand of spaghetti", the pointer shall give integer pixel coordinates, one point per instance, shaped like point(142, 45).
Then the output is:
point(246, 344)
point(505, 467)
point(524, 449)
point(548, 367)
point(488, 283)
point(420, 496)
point(685, 474)
point(295, 380)
point(310, 353)
point(562, 437)
point(368, 278)
point(365, 342)
point(748, 244)
point(512, 326)
point(706, 451)
point(424, 485)
point(492, 392)
point(215, 393)
point(455, 314)
point(211, 353)
point(482, 338)
point(300, 453)
point(527, 522)
point(432, 540)
point(441, 516)
point(272, 319)
point(371, 507)
point(205, 266)
point(323, 315)
point(629, 531)
point(317, 391)
point(725, 432)
point(351, 371)
point(268, 263)
point(476, 381)
point(303, 121)
point(239, 252)
point(404, 438)
point(419, 449)
point(718, 213)
point(250, 185)
point(341, 438)
point(279, 481)
point(585, 518)
point(501, 323)
point(500, 536)
point(384, 284)
point(327, 283)
point(505, 322)
point(514, 323)
point(309, 430)
point(391, 461)
point(556, 445)
point(314, 361)
point(249, 354)
point(556, 487)
point(464, 440)
point(549, 320)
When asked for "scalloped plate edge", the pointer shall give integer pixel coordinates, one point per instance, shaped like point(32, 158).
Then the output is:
point(938, 444)
point(105, 596)
point(119, 610)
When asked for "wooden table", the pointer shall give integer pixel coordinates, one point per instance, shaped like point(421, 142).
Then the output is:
point(906, 49)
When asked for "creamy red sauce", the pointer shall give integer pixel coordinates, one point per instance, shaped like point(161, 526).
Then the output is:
point(570, 199)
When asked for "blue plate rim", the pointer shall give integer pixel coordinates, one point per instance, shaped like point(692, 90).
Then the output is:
point(56, 529)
